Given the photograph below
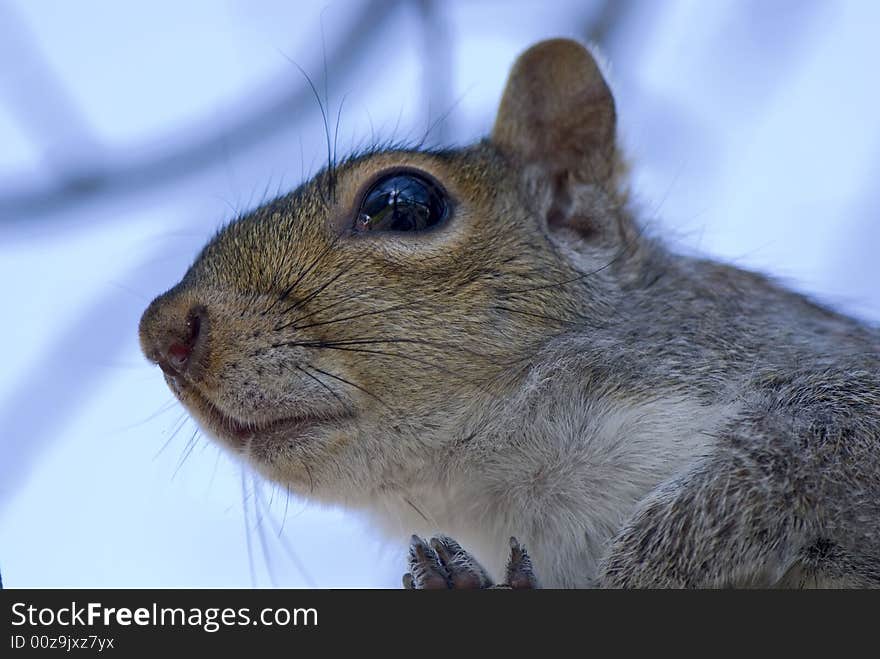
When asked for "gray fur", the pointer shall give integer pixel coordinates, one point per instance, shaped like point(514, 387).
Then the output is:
point(538, 367)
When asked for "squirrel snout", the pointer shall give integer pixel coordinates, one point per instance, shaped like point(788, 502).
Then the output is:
point(175, 337)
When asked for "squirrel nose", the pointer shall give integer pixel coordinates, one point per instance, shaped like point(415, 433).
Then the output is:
point(174, 337)
point(175, 355)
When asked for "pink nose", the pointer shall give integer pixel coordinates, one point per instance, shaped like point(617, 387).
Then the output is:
point(176, 354)
point(174, 337)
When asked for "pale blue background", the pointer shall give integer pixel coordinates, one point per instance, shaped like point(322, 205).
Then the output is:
point(752, 126)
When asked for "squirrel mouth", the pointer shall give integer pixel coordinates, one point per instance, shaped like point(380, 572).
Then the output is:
point(239, 431)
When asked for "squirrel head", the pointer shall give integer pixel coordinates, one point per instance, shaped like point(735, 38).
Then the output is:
point(340, 336)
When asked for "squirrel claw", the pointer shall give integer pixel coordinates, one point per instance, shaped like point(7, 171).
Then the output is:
point(426, 570)
point(442, 564)
point(520, 571)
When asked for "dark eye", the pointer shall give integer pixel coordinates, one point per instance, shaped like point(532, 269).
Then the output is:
point(402, 202)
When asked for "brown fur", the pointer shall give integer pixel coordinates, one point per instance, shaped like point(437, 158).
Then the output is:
point(537, 367)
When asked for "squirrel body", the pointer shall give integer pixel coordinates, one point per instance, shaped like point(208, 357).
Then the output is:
point(483, 342)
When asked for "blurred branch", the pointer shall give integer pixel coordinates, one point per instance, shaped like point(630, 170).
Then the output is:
point(437, 70)
point(33, 93)
point(119, 176)
point(607, 21)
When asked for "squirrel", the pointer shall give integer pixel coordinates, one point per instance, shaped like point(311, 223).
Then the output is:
point(483, 343)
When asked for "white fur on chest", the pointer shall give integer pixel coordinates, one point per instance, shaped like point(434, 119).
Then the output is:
point(562, 478)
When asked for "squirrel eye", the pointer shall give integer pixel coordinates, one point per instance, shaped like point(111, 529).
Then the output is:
point(401, 202)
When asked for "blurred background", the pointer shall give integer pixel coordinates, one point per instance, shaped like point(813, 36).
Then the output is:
point(129, 132)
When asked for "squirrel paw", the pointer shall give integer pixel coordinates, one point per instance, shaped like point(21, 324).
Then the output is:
point(442, 564)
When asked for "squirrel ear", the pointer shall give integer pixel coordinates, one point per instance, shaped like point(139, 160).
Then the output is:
point(557, 112)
